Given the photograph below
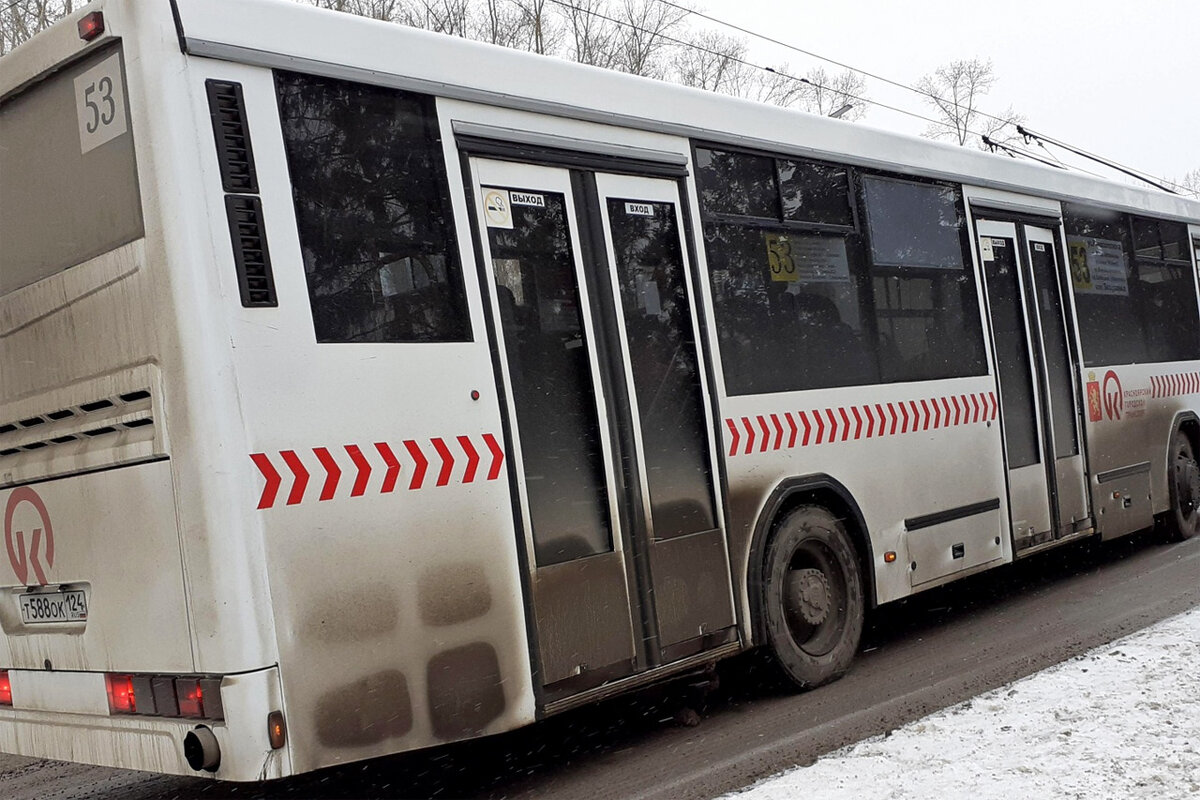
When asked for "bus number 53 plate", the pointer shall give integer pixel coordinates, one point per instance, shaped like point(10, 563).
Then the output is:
point(65, 606)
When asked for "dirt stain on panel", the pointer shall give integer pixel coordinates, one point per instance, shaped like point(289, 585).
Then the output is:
point(352, 614)
point(466, 691)
point(453, 593)
point(368, 711)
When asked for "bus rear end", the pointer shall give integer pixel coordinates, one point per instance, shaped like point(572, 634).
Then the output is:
point(103, 658)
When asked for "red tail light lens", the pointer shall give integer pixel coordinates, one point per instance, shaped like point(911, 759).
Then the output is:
point(5, 689)
point(120, 694)
point(91, 26)
point(190, 697)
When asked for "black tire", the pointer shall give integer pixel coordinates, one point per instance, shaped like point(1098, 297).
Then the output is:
point(1183, 520)
point(812, 597)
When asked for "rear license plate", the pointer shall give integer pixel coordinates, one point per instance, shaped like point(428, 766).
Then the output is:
point(65, 606)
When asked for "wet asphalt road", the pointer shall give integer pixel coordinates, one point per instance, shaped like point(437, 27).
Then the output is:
point(918, 656)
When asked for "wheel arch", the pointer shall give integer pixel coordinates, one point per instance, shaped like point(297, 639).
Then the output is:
point(822, 490)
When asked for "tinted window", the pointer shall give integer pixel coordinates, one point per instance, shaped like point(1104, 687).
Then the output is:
point(61, 204)
point(735, 183)
point(372, 211)
point(814, 192)
point(1135, 299)
point(788, 314)
point(1012, 352)
point(926, 303)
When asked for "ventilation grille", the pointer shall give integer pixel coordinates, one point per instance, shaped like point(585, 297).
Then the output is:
point(250, 255)
point(234, 153)
point(93, 421)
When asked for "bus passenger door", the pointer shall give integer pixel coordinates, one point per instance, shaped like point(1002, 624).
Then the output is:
point(1035, 366)
point(607, 425)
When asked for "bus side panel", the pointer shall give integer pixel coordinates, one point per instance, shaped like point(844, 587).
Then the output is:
point(1130, 412)
point(389, 535)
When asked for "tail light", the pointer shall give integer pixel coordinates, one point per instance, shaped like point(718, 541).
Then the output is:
point(191, 697)
point(5, 689)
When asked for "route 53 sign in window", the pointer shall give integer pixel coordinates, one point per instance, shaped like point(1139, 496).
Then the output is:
point(100, 104)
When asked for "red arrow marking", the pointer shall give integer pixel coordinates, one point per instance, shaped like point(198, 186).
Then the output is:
point(937, 414)
point(766, 434)
point(271, 489)
point(857, 422)
point(447, 461)
point(472, 458)
point(925, 411)
point(995, 405)
point(791, 426)
point(870, 421)
point(975, 406)
point(903, 418)
point(1153, 386)
point(845, 423)
point(820, 426)
point(364, 470)
point(333, 473)
point(833, 429)
point(422, 464)
point(957, 410)
point(916, 417)
point(807, 428)
point(393, 467)
point(892, 412)
point(497, 456)
point(778, 431)
point(301, 474)
point(749, 434)
point(734, 436)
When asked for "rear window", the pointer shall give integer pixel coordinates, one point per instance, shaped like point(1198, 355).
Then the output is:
point(68, 178)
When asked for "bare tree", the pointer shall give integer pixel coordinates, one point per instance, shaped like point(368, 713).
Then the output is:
point(21, 19)
point(715, 63)
point(592, 34)
point(643, 36)
point(828, 94)
point(954, 91)
point(442, 16)
point(543, 29)
point(1190, 183)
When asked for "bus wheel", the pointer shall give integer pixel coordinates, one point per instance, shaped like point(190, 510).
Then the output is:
point(812, 597)
point(1183, 521)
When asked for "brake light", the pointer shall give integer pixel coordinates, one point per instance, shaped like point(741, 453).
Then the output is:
point(120, 694)
point(91, 26)
point(190, 697)
point(5, 689)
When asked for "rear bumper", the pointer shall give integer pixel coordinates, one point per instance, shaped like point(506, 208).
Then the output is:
point(90, 735)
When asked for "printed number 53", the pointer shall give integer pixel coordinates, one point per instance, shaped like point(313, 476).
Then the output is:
point(104, 111)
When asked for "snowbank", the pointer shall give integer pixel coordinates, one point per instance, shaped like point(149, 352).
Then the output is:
point(1122, 721)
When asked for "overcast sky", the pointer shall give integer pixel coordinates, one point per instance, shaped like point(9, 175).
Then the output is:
point(1116, 78)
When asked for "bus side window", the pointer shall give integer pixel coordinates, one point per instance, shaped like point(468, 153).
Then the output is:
point(926, 305)
point(373, 212)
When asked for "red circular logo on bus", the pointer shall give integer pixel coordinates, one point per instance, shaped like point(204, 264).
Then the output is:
point(1114, 398)
point(14, 540)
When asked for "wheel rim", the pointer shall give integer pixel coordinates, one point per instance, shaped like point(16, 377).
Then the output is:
point(1187, 484)
point(814, 597)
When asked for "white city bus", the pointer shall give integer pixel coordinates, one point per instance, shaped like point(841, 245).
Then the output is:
point(364, 389)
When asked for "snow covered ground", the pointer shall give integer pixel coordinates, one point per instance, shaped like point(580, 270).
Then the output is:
point(1122, 721)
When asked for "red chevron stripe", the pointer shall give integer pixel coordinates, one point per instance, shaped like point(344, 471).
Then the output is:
point(447, 457)
point(792, 427)
point(957, 409)
point(393, 467)
point(749, 435)
point(995, 405)
point(271, 488)
point(778, 431)
point(472, 458)
point(422, 464)
point(820, 425)
point(497, 456)
point(363, 468)
point(882, 418)
point(300, 482)
point(925, 411)
point(333, 473)
point(845, 423)
point(903, 417)
point(916, 416)
point(807, 428)
point(870, 421)
point(975, 407)
point(833, 428)
point(734, 436)
point(946, 408)
point(766, 434)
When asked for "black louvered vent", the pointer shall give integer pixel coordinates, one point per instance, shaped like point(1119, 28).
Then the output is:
point(234, 153)
point(250, 254)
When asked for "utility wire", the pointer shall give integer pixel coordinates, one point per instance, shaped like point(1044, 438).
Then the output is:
point(773, 71)
point(1038, 137)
